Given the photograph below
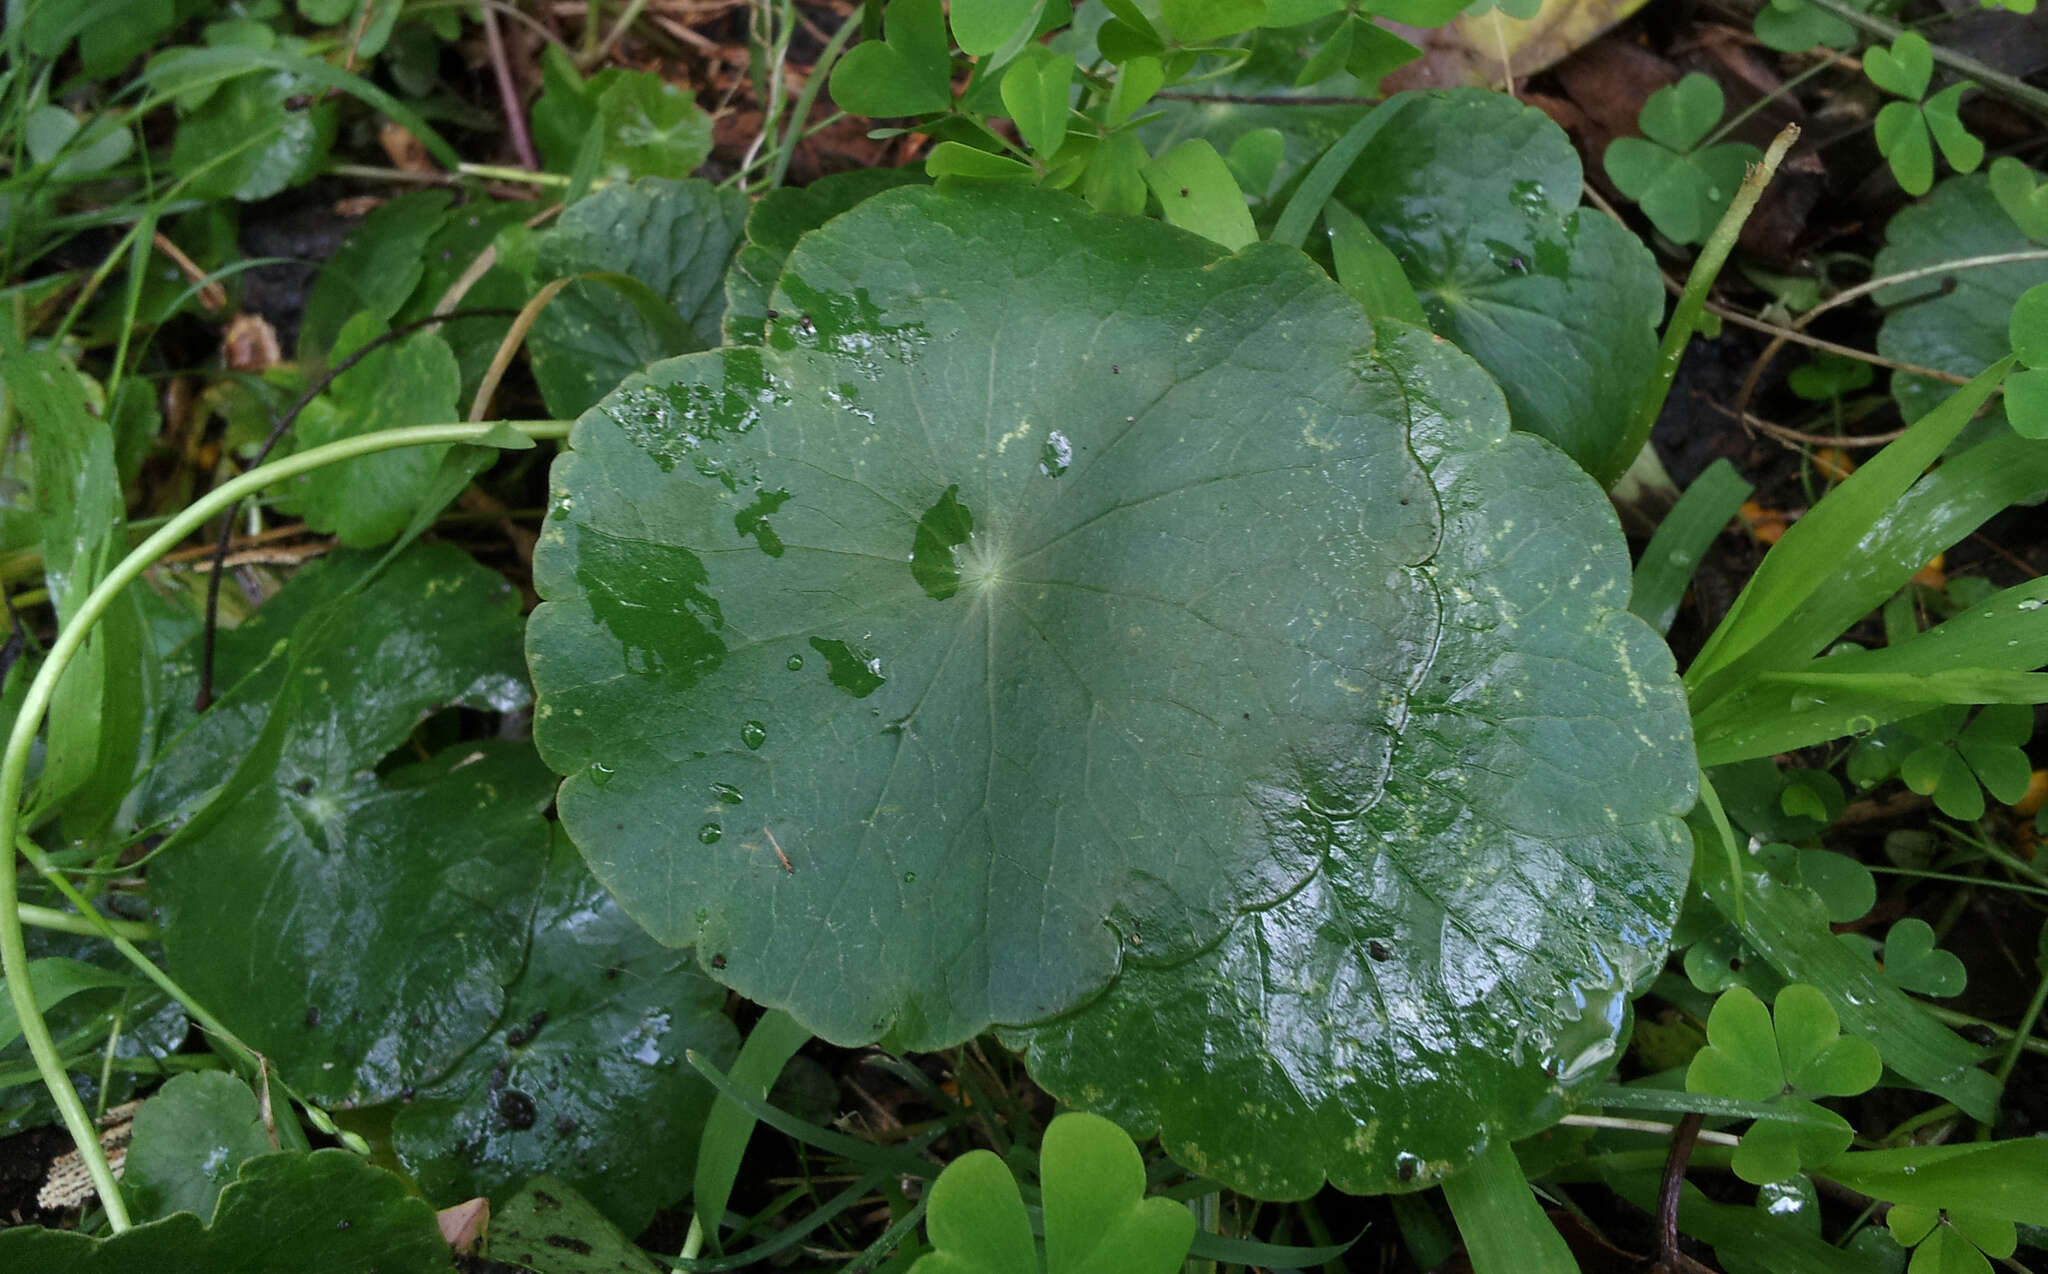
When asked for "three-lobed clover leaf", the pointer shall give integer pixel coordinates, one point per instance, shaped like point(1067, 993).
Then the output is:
point(1097, 1218)
point(1957, 764)
point(2026, 392)
point(1908, 131)
point(1784, 1055)
point(1951, 1240)
point(1911, 961)
point(1683, 188)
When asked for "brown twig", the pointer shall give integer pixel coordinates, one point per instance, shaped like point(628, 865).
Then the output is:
point(204, 698)
point(508, 91)
point(1682, 1139)
point(211, 294)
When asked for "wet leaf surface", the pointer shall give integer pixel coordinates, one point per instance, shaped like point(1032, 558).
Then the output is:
point(1464, 957)
point(550, 1229)
point(1124, 707)
point(781, 217)
point(327, 1212)
point(379, 918)
point(674, 239)
point(359, 927)
point(584, 1073)
point(1477, 196)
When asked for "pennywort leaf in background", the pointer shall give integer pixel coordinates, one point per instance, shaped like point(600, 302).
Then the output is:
point(1477, 197)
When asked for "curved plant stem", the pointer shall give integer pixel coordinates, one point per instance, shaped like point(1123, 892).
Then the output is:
point(84, 925)
point(1685, 316)
point(508, 92)
point(809, 98)
point(1990, 78)
point(522, 323)
point(1654, 1127)
point(1682, 1139)
point(28, 722)
point(1846, 295)
point(204, 699)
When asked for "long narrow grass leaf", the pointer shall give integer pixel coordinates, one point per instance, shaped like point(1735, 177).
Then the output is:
point(768, 1048)
point(1817, 569)
point(1504, 1228)
point(1674, 552)
point(1316, 188)
point(880, 1157)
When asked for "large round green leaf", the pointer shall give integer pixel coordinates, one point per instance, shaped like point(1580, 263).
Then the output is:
point(1024, 600)
point(1477, 195)
point(1465, 956)
point(1047, 592)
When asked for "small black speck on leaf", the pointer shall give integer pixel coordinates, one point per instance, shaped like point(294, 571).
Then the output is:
point(718, 961)
point(775, 314)
point(344, 1224)
point(304, 787)
point(1379, 950)
point(569, 1243)
point(517, 1109)
point(1405, 1170)
point(406, 1094)
point(545, 1202)
point(565, 1127)
point(1183, 192)
point(612, 974)
point(312, 1017)
point(521, 1036)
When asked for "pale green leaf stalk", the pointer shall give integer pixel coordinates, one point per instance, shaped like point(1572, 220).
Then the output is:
point(1685, 318)
point(14, 762)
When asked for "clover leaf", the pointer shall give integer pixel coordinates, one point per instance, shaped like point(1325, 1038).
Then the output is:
point(1951, 1241)
point(1683, 188)
point(2025, 201)
point(1908, 131)
point(1913, 963)
point(907, 72)
point(1785, 1057)
point(2026, 392)
point(1953, 759)
point(1097, 1218)
point(1793, 26)
point(1845, 886)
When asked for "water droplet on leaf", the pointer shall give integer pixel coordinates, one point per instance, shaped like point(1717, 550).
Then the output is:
point(753, 734)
